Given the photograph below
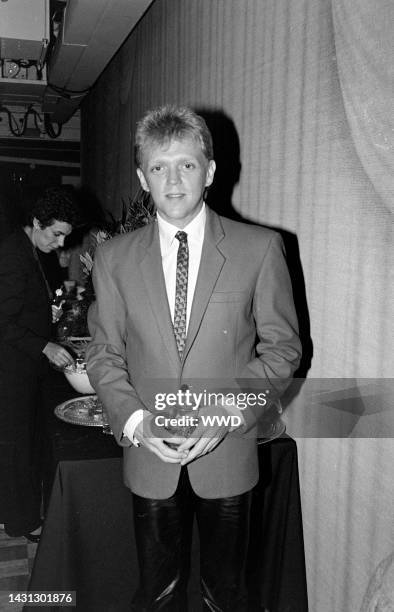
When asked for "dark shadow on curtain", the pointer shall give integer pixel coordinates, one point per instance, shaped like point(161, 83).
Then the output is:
point(228, 162)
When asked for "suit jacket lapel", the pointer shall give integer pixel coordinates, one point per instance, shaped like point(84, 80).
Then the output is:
point(153, 278)
point(212, 261)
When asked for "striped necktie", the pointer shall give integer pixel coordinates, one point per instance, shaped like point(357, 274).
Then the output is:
point(182, 267)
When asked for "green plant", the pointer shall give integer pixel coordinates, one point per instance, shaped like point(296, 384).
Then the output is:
point(136, 212)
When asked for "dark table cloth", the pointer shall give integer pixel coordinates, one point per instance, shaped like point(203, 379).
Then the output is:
point(88, 545)
point(63, 441)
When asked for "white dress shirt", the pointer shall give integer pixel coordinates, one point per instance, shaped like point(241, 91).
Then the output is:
point(169, 250)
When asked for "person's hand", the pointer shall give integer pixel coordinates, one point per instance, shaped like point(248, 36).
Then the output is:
point(159, 445)
point(57, 354)
point(206, 436)
point(57, 311)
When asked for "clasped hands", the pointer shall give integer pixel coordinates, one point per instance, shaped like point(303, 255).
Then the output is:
point(180, 449)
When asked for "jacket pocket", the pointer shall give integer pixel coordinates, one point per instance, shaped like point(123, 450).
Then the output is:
point(229, 296)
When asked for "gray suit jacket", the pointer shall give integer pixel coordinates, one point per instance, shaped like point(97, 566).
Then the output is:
point(242, 336)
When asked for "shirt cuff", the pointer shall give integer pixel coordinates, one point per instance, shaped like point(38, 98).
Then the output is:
point(131, 424)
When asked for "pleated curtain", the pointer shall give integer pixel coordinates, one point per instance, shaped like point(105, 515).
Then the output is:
point(303, 90)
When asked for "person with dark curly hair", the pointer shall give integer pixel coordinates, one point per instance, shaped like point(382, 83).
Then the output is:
point(25, 350)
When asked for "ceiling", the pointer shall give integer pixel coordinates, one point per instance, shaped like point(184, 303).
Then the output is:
point(58, 49)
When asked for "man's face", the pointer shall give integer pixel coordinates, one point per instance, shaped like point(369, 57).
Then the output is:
point(176, 174)
point(52, 237)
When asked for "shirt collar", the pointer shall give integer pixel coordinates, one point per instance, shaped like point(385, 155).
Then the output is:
point(194, 229)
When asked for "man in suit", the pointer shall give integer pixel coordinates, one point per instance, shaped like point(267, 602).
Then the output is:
point(191, 304)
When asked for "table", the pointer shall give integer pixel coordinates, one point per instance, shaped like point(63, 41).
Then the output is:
point(63, 441)
point(88, 543)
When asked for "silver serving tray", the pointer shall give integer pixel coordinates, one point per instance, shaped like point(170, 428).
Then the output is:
point(85, 410)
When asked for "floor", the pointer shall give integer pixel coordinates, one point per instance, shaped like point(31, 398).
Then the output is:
point(16, 560)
